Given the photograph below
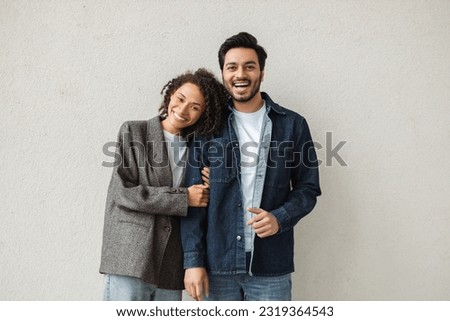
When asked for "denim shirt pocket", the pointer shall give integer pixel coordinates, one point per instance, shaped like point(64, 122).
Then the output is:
point(220, 160)
point(279, 164)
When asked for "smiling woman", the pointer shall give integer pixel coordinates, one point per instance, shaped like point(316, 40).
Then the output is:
point(185, 108)
point(141, 254)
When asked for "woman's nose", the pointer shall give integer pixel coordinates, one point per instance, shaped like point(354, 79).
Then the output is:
point(184, 108)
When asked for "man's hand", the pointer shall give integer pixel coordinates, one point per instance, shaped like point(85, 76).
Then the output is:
point(198, 195)
point(196, 283)
point(264, 223)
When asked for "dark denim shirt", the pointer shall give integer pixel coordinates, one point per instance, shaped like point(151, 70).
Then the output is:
point(213, 237)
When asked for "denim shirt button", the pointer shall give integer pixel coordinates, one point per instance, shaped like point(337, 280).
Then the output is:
point(238, 238)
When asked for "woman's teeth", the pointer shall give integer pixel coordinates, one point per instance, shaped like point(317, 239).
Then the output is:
point(179, 117)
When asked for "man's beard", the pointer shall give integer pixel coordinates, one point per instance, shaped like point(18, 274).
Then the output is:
point(243, 99)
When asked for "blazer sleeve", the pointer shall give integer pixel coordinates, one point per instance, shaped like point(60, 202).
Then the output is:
point(128, 193)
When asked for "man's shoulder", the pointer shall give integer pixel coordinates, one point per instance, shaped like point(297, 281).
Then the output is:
point(291, 113)
point(280, 110)
point(285, 114)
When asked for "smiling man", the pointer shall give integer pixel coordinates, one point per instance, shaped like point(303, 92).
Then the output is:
point(242, 78)
point(263, 180)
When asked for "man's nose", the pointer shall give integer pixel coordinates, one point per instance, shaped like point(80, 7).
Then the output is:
point(240, 72)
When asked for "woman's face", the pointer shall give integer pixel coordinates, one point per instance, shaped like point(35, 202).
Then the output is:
point(186, 106)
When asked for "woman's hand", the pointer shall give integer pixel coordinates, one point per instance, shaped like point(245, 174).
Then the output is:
point(198, 195)
point(205, 176)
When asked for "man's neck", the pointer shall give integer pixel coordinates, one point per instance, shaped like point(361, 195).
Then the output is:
point(250, 106)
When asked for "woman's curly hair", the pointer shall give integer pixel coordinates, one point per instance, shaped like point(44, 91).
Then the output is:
point(215, 95)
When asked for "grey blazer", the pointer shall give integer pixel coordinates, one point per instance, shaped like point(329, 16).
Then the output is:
point(141, 228)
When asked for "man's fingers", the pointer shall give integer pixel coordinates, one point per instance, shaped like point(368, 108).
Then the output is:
point(255, 210)
point(262, 230)
point(258, 217)
point(194, 282)
point(190, 289)
point(264, 223)
point(206, 286)
point(260, 221)
point(199, 291)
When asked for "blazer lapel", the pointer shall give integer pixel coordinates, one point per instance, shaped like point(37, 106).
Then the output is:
point(157, 149)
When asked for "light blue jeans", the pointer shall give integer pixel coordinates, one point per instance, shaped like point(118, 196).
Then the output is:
point(244, 287)
point(127, 288)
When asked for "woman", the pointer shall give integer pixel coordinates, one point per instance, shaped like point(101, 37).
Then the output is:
point(141, 253)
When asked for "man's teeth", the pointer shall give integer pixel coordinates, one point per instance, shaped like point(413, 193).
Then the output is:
point(241, 84)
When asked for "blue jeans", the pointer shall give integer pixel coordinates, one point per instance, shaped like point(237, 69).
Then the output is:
point(243, 287)
point(127, 288)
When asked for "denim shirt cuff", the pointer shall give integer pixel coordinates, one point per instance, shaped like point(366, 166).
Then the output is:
point(194, 259)
point(283, 219)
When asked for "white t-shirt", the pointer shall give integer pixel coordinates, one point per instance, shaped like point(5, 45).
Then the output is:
point(249, 126)
point(176, 147)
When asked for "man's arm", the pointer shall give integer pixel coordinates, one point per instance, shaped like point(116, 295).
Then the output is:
point(305, 180)
point(193, 230)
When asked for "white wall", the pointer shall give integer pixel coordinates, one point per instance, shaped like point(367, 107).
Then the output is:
point(373, 73)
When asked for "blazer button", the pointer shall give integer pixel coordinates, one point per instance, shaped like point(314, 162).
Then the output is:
point(238, 238)
point(167, 228)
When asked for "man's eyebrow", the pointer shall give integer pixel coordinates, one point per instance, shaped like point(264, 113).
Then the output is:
point(251, 62)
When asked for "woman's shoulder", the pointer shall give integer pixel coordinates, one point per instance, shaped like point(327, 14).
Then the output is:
point(141, 126)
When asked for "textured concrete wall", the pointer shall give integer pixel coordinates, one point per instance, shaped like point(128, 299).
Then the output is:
point(372, 73)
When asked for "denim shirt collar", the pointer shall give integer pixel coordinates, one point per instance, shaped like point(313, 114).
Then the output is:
point(270, 105)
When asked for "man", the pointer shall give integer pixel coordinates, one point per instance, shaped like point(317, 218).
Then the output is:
point(263, 180)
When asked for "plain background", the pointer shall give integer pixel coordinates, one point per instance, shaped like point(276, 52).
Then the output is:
point(374, 74)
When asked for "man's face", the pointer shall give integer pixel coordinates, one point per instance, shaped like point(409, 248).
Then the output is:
point(241, 74)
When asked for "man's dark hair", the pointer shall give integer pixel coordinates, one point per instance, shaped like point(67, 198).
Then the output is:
point(242, 40)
